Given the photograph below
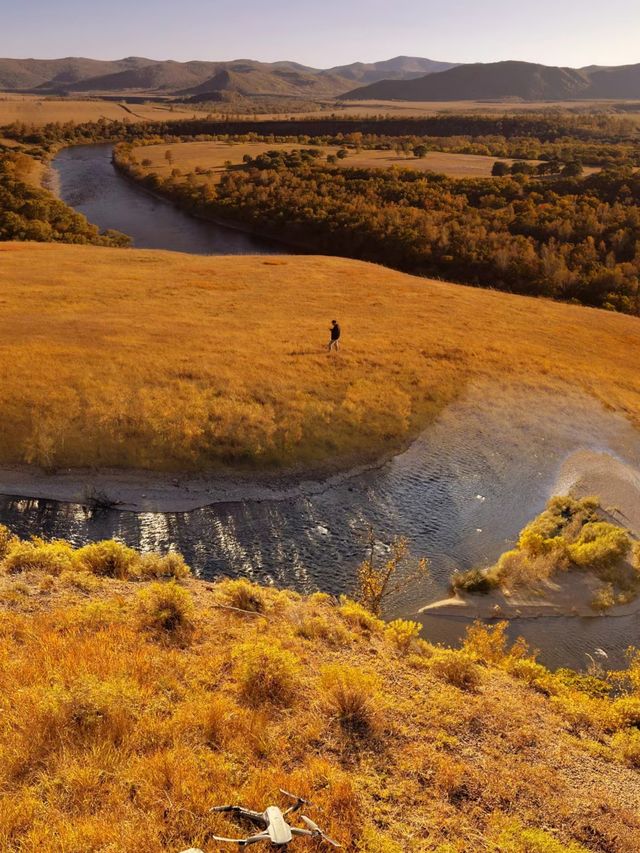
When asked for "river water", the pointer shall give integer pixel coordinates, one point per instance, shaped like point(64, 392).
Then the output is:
point(460, 493)
point(86, 180)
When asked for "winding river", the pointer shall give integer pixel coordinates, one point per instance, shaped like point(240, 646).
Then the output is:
point(86, 179)
point(460, 493)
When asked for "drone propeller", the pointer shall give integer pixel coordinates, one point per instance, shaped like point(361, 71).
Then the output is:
point(313, 826)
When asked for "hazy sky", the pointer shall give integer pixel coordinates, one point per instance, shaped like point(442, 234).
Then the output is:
point(326, 32)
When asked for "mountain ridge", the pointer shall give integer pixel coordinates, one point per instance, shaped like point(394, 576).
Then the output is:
point(198, 77)
point(509, 79)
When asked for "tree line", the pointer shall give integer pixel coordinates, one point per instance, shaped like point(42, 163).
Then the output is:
point(568, 238)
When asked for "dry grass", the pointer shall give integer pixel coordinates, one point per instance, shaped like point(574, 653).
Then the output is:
point(166, 361)
point(212, 156)
point(116, 734)
point(429, 108)
point(35, 110)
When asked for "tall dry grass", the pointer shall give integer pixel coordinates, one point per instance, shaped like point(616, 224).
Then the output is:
point(126, 712)
point(166, 361)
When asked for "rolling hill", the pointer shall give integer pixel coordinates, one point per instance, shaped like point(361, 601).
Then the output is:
point(30, 74)
point(243, 76)
point(525, 80)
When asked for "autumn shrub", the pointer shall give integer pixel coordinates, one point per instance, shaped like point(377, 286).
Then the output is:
point(171, 565)
point(83, 581)
point(402, 633)
point(358, 616)
point(473, 580)
point(627, 709)
point(166, 610)
point(266, 672)
point(604, 598)
point(99, 707)
point(319, 627)
point(36, 554)
point(568, 534)
point(457, 667)
point(626, 744)
point(487, 643)
point(600, 545)
point(586, 713)
point(243, 594)
point(352, 697)
point(109, 558)
point(7, 540)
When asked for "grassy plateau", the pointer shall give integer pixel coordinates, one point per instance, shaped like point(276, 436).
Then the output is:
point(135, 698)
point(157, 360)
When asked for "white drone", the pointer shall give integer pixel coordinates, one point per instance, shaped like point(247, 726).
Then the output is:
point(275, 828)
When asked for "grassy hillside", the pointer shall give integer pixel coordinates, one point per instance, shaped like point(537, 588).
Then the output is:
point(131, 705)
point(168, 361)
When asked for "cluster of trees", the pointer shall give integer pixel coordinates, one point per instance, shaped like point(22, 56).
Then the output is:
point(283, 159)
point(572, 169)
point(30, 213)
point(566, 238)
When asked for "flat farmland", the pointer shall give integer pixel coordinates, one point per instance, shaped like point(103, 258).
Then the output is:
point(212, 157)
point(31, 109)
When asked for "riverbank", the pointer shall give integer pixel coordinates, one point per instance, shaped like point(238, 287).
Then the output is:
point(147, 491)
point(582, 473)
point(263, 233)
point(234, 225)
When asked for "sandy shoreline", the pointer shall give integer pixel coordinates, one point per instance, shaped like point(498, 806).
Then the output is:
point(524, 604)
point(146, 491)
point(583, 472)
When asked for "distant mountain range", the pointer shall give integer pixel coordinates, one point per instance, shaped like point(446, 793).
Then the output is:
point(202, 79)
point(497, 80)
point(405, 78)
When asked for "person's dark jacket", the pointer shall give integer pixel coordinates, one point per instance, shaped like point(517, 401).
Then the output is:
point(335, 332)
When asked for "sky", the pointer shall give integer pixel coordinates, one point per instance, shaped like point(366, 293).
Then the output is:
point(325, 33)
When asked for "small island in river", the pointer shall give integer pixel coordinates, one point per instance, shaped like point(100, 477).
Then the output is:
point(570, 560)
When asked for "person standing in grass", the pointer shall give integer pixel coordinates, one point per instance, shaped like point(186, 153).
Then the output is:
point(335, 336)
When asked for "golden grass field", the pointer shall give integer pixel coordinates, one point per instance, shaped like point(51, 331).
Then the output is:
point(186, 156)
point(131, 706)
point(163, 361)
point(406, 108)
point(35, 110)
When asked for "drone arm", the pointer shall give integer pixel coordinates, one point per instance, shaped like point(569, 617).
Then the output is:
point(254, 839)
point(305, 832)
point(243, 842)
point(240, 811)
